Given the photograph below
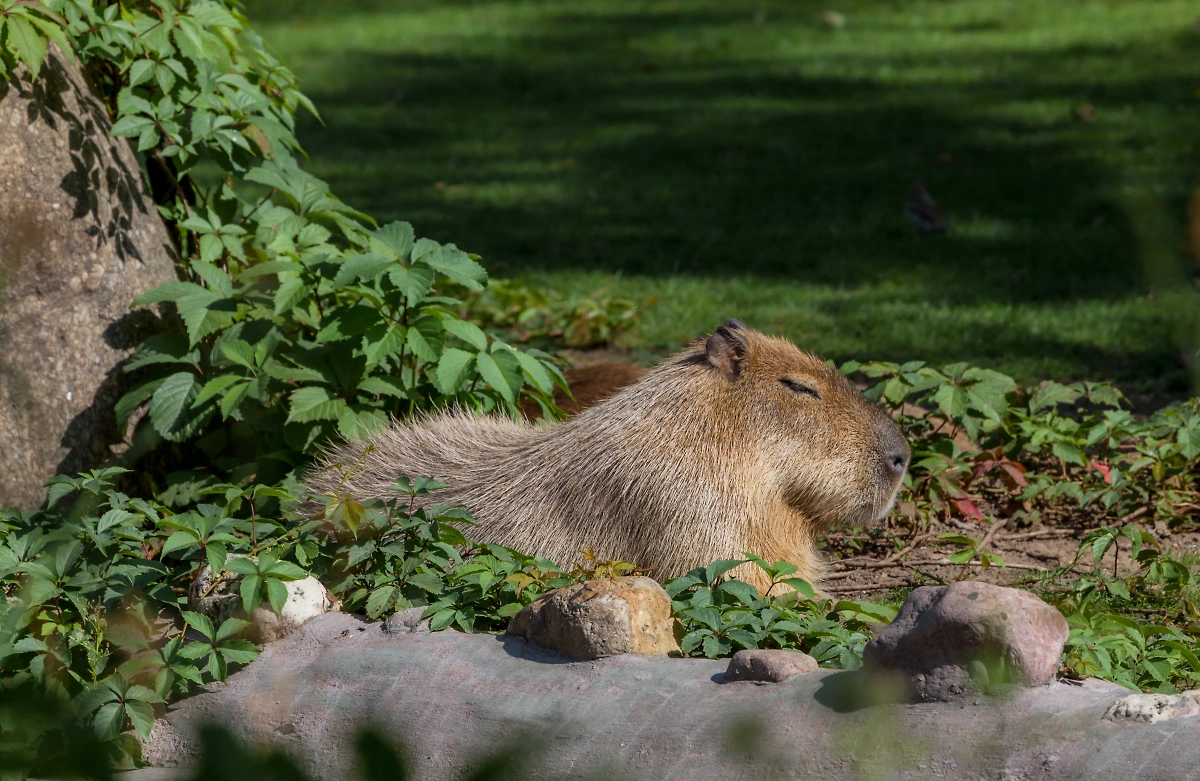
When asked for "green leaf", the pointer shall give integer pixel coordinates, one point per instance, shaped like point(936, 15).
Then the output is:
point(28, 45)
point(238, 351)
point(413, 281)
point(251, 591)
point(141, 72)
point(360, 421)
point(169, 401)
point(1051, 395)
point(951, 400)
point(242, 566)
point(468, 332)
point(314, 403)
point(396, 237)
point(290, 294)
point(350, 321)
point(452, 262)
point(215, 386)
point(200, 623)
point(536, 372)
point(383, 386)
point(425, 338)
point(1069, 453)
point(380, 600)
point(276, 594)
point(365, 267)
point(492, 375)
point(178, 540)
point(743, 592)
point(452, 368)
point(719, 568)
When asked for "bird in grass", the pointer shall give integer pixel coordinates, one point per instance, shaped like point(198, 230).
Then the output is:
point(922, 211)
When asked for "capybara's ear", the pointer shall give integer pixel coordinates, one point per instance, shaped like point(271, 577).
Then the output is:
point(726, 349)
point(733, 324)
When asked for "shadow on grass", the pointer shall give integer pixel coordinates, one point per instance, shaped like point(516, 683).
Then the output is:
point(656, 145)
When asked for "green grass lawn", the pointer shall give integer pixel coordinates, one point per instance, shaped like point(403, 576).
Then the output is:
point(746, 159)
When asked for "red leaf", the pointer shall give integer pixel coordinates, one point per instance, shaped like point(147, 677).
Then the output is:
point(1103, 469)
point(968, 508)
point(1014, 474)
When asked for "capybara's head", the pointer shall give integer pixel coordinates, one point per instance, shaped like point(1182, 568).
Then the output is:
point(837, 458)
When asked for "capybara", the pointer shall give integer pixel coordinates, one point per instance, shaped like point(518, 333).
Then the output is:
point(742, 442)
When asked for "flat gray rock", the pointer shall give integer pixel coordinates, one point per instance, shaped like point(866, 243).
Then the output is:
point(451, 698)
point(769, 665)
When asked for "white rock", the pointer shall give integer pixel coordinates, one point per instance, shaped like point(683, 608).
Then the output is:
point(306, 598)
point(1151, 708)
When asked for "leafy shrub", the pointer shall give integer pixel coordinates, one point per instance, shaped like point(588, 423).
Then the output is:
point(719, 616)
point(544, 315)
point(388, 556)
point(979, 440)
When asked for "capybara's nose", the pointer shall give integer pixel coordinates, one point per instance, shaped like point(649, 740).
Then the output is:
point(895, 452)
point(897, 461)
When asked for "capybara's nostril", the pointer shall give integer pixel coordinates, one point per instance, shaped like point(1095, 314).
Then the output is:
point(898, 461)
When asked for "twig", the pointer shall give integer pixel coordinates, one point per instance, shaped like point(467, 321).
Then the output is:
point(877, 587)
point(1138, 513)
point(991, 532)
point(1040, 533)
point(930, 563)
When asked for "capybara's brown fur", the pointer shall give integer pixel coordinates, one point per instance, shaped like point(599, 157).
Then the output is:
point(590, 384)
point(740, 443)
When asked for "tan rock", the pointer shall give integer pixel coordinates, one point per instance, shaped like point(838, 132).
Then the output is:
point(769, 664)
point(601, 618)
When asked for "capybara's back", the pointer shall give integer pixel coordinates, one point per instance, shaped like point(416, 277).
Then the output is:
point(741, 443)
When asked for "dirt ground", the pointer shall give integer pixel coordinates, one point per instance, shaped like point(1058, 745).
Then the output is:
point(859, 568)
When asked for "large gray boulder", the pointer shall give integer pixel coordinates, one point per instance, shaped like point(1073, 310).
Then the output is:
point(452, 698)
point(79, 239)
point(968, 637)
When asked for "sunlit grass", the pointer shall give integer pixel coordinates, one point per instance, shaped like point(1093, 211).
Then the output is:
point(743, 158)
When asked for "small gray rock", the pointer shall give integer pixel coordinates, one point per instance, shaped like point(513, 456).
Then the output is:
point(767, 664)
point(601, 618)
point(405, 621)
point(969, 637)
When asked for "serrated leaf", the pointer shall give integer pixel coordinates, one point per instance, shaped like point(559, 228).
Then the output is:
point(536, 371)
point(380, 600)
point(397, 237)
point(1051, 395)
point(350, 321)
point(289, 295)
point(413, 281)
point(238, 351)
point(951, 400)
point(425, 338)
point(468, 332)
point(141, 72)
point(314, 403)
point(200, 623)
point(491, 374)
point(452, 368)
point(170, 400)
point(30, 47)
point(365, 267)
point(1069, 453)
point(452, 262)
